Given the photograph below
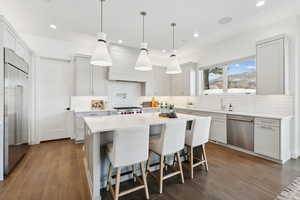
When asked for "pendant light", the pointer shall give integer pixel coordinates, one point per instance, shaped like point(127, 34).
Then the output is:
point(101, 56)
point(173, 67)
point(143, 62)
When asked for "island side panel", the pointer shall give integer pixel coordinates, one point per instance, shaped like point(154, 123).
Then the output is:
point(92, 162)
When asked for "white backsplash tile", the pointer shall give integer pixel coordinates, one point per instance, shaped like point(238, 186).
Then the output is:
point(266, 104)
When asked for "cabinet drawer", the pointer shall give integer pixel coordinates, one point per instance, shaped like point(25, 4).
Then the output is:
point(267, 122)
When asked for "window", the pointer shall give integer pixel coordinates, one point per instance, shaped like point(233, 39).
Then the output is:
point(213, 80)
point(233, 77)
point(242, 77)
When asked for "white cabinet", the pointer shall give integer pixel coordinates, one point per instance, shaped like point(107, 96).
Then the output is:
point(218, 130)
point(9, 40)
point(79, 123)
point(267, 137)
point(99, 81)
point(184, 84)
point(82, 76)
point(270, 55)
point(89, 79)
point(158, 82)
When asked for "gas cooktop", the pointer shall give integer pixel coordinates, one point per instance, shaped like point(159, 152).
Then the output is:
point(127, 108)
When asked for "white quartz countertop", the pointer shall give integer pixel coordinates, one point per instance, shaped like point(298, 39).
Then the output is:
point(113, 122)
point(263, 115)
point(80, 110)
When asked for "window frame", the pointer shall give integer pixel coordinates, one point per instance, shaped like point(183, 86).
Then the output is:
point(223, 65)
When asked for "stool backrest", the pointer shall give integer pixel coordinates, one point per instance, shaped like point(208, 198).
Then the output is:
point(173, 136)
point(200, 130)
point(130, 145)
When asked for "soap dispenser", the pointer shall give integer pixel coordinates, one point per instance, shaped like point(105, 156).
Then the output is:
point(230, 108)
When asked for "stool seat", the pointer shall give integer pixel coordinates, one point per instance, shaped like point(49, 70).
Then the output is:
point(197, 137)
point(170, 142)
point(130, 146)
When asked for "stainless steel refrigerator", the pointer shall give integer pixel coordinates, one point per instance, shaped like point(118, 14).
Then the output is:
point(15, 109)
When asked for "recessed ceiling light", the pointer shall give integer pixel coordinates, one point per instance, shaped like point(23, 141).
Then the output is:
point(164, 51)
point(196, 35)
point(120, 41)
point(225, 20)
point(53, 26)
point(260, 3)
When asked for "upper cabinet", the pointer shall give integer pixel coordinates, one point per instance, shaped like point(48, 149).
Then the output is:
point(15, 43)
point(123, 62)
point(9, 40)
point(184, 84)
point(89, 80)
point(158, 82)
point(271, 66)
point(83, 72)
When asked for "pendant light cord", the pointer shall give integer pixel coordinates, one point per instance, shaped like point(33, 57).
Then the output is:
point(143, 28)
point(143, 13)
point(173, 38)
point(101, 15)
point(173, 41)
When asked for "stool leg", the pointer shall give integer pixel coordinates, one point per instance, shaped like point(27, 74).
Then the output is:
point(148, 163)
point(133, 174)
point(174, 160)
point(161, 177)
point(204, 155)
point(180, 167)
point(109, 177)
point(144, 180)
point(191, 162)
point(117, 190)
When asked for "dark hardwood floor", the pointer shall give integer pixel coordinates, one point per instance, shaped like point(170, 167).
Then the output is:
point(55, 171)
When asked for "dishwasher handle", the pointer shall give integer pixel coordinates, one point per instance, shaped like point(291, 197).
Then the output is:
point(243, 119)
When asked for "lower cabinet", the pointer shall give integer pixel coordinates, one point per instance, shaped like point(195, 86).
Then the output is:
point(79, 123)
point(267, 137)
point(218, 129)
point(271, 136)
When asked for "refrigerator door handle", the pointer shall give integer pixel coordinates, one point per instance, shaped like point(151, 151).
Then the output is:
point(19, 114)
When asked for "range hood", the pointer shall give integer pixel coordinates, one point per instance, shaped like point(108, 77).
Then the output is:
point(123, 62)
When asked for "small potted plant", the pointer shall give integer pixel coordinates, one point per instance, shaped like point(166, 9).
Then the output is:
point(190, 104)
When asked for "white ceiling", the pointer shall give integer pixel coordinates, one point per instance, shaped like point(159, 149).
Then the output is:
point(78, 18)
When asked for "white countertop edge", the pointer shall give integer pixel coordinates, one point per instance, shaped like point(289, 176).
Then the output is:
point(79, 110)
point(113, 122)
point(84, 110)
point(288, 117)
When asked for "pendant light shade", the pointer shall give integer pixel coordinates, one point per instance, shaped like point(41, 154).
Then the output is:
point(143, 62)
point(101, 56)
point(173, 66)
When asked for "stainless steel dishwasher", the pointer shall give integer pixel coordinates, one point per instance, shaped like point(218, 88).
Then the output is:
point(240, 131)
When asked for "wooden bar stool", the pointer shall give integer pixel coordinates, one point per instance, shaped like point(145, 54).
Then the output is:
point(170, 142)
point(196, 137)
point(130, 146)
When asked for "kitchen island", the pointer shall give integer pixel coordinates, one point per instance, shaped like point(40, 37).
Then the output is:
point(97, 127)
